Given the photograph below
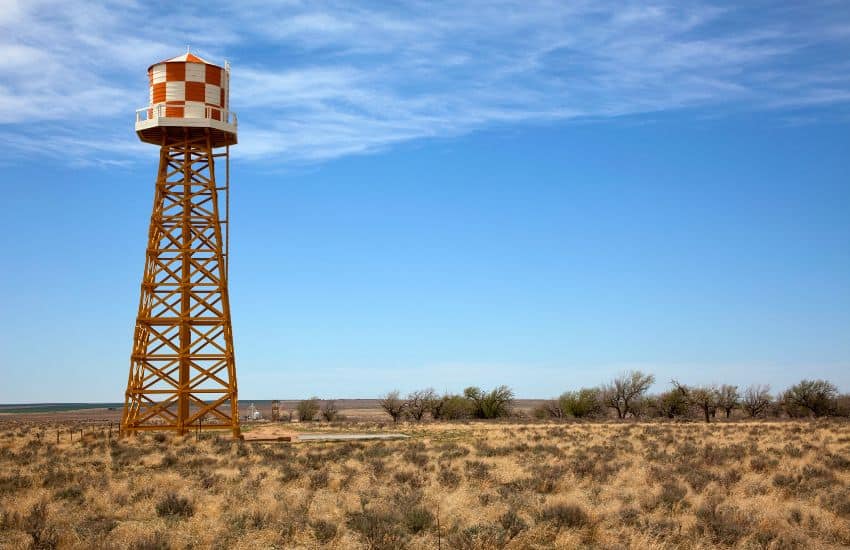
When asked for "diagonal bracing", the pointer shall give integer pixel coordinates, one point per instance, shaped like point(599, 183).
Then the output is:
point(182, 367)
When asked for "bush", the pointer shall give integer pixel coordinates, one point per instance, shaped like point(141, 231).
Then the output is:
point(329, 411)
point(43, 535)
point(495, 404)
point(818, 397)
point(380, 530)
point(174, 506)
point(565, 515)
point(308, 409)
point(512, 523)
point(451, 407)
point(671, 404)
point(324, 531)
point(417, 519)
point(583, 403)
point(722, 524)
point(156, 541)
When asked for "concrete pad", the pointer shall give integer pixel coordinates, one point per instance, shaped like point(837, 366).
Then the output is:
point(348, 436)
point(271, 434)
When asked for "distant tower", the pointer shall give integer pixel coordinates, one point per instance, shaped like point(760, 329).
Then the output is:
point(182, 368)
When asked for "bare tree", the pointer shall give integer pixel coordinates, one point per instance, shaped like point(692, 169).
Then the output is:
point(308, 409)
point(420, 402)
point(705, 398)
point(393, 405)
point(756, 400)
point(621, 393)
point(329, 410)
point(728, 398)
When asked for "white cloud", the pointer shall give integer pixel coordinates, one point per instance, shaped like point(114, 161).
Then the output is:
point(315, 81)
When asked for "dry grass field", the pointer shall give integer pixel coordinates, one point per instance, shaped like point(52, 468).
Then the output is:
point(451, 485)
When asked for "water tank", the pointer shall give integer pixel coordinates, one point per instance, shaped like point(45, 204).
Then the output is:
point(187, 92)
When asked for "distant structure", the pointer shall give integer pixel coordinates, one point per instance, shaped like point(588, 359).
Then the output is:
point(275, 411)
point(253, 413)
point(182, 367)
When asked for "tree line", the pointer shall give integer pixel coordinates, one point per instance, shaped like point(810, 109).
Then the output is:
point(627, 396)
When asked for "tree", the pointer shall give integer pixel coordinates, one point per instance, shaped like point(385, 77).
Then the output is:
point(583, 403)
point(756, 400)
point(420, 402)
point(729, 398)
point(816, 396)
point(308, 409)
point(620, 393)
point(705, 398)
point(495, 404)
point(671, 404)
point(329, 410)
point(393, 405)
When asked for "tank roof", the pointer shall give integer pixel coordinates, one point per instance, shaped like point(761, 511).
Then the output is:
point(185, 58)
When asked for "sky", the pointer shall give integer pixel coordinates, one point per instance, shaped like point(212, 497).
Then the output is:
point(538, 194)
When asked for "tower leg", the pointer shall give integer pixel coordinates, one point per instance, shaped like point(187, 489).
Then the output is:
point(182, 367)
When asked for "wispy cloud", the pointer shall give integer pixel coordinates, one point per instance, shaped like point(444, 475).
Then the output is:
point(315, 81)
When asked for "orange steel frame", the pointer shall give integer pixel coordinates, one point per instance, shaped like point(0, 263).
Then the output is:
point(182, 367)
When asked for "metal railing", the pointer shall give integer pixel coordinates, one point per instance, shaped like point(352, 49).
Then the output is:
point(160, 111)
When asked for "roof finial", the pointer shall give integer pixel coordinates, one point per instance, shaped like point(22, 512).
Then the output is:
point(187, 48)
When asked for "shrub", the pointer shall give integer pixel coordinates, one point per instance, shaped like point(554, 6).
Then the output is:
point(722, 524)
point(583, 403)
point(324, 531)
point(671, 404)
point(451, 407)
point(477, 537)
point(308, 409)
point(329, 410)
point(14, 482)
point(380, 530)
point(448, 477)
point(168, 460)
point(671, 494)
point(174, 506)
point(512, 523)
point(568, 515)
point(814, 396)
point(476, 469)
point(44, 536)
point(73, 494)
point(495, 404)
point(319, 479)
point(417, 518)
point(155, 541)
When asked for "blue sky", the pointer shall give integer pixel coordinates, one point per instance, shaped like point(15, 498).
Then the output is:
point(439, 195)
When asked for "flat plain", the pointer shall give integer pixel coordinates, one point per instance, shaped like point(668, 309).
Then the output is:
point(467, 485)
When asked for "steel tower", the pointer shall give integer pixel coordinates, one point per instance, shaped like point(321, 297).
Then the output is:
point(182, 366)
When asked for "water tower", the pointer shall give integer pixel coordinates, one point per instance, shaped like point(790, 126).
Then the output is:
point(182, 367)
